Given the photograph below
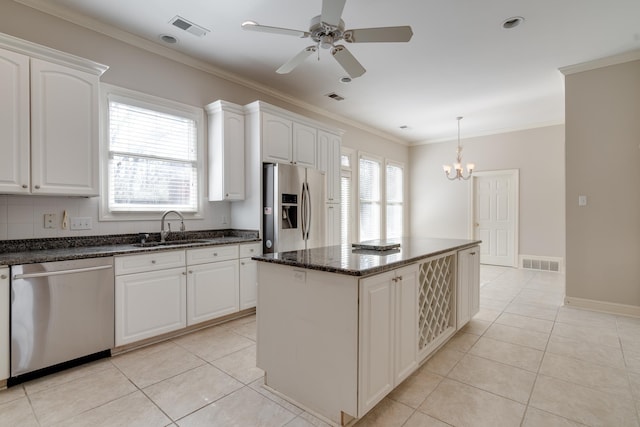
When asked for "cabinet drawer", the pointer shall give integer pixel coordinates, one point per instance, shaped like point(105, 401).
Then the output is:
point(149, 262)
point(250, 249)
point(212, 254)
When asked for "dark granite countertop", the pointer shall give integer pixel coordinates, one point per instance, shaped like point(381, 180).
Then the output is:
point(29, 251)
point(361, 262)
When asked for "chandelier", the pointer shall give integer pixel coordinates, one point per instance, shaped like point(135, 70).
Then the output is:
point(458, 164)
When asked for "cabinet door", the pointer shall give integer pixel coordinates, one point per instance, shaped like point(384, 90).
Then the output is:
point(329, 162)
point(149, 304)
point(333, 224)
point(248, 283)
point(304, 145)
point(468, 286)
point(64, 130)
point(406, 322)
point(277, 139)
point(4, 323)
point(212, 291)
point(226, 153)
point(376, 340)
point(14, 123)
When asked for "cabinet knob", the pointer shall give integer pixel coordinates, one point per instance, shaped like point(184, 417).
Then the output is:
point(25, 186)
point(3, 277)
point(251, 250)
point(226, 195)
point(190, 271)
point(153, 261)
point(215, 254)
point(37, 187)
point(242, 263)
point(472, 253)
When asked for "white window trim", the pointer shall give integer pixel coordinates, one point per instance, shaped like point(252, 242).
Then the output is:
point(139, 99)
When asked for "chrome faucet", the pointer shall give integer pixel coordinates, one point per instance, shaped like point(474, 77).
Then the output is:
point(164, 233)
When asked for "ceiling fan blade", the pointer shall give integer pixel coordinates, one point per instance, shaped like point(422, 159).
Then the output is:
point(296, 60)
point(254, 26)
point(347, 61)
point(332, 11)
point(380, 34)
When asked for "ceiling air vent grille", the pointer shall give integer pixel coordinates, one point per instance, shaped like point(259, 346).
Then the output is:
point(335, 96)
point(189, 27)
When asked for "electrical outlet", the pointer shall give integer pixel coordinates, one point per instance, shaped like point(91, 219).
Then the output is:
point(50, 220)
point(81, 223)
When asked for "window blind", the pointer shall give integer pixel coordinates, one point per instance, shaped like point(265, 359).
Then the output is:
point(152, 160)
point(345, 211)
point(369, 197)
point(394, 193)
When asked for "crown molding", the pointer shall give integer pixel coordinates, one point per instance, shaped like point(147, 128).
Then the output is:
point(621, 58)
point(142, 43)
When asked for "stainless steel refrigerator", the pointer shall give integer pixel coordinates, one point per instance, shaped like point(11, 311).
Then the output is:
point(293, 212)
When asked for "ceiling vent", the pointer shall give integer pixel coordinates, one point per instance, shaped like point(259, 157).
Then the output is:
point(335, 96)
point(189, 27)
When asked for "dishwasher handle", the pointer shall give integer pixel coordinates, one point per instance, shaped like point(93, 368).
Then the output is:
point(61, 272)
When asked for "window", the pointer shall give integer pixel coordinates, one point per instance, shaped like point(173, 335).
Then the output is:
point(346, 232)
point(152, 154)
point(394, 197)
point(370, 198)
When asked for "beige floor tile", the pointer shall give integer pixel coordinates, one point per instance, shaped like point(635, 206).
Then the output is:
point(461, 342)
point(387, 413)
point(582, 404)
point(314, 421)
point(630, 345)
point(628, 320)
point(600, 354)
point(599, 377)
point(134, 409)
point(180, 395)
point(498, 293)
point(580, 317)
point(155, 363)
point(544, 312)
point(537, 418)
point(524, 322)
point(12, 393)
point(415, 389)
point(510, 354)
point(590, 334)
point(533, 296)
point(503, 380)
point(213, 343)
point(237, 322)
point(247, 330)
point(258, 385)
point(65, 376)
point(300, 421)
point(418, 419)
point(634, 380)
point(476, 327)
point(513, 335)
point(241, 365)
point(443, 361)
point(59, 403)
point(242, 408)
point(493, 304)
point(487, 315)
point(17, 412)
point(462, 405)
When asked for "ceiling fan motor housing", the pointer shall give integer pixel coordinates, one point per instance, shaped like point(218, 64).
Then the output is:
point(324, 34)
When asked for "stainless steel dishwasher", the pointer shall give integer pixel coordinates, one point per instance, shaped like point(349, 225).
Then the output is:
point(60, 312)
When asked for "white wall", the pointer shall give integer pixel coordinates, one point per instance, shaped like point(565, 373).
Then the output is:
point(440, 208)
point(141, 70)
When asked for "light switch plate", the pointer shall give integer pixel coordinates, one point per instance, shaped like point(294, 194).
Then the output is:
point(582, 200)
point(81, 223)
point(50, 220)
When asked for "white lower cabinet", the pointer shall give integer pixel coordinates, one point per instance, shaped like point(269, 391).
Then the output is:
point(388, 333)
point(249, 275)
point(4, 323)
point(212, 290)
point(468, 286)
point(149, 304)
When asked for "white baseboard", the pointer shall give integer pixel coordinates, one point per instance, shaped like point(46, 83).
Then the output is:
point(603, 306)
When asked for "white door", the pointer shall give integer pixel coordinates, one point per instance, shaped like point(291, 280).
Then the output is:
point(495, 216)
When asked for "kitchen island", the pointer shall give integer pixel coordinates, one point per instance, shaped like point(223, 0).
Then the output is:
point(339, 328)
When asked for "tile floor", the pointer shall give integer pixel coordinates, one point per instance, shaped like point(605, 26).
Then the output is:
point(524, 360)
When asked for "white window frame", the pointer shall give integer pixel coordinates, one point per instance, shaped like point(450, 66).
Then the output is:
point(139, 99)
point(380, 160)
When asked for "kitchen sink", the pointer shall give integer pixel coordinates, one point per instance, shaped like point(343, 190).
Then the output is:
point(170, 243)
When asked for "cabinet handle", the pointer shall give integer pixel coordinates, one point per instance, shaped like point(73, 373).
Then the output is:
point(472, 253)
point(37, 187)
point(25, 186)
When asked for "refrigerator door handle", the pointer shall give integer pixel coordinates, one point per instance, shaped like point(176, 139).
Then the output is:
point(309, 208)
point(303, 214)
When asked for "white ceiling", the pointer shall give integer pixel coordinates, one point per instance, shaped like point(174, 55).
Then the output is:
point(460, 61)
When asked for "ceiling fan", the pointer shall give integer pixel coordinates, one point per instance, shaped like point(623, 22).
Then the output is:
point(326, 30)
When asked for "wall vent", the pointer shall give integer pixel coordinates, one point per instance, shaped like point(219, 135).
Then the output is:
point(188, 26)
point(541, 263)
point(335, 96)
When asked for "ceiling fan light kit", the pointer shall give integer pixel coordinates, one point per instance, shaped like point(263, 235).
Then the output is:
point(326, 30)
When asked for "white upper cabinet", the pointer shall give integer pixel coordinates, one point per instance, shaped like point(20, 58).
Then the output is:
point(287, 141)
point(49, 129)
point(304, 145)
point(329, 162)
point(226, 151)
